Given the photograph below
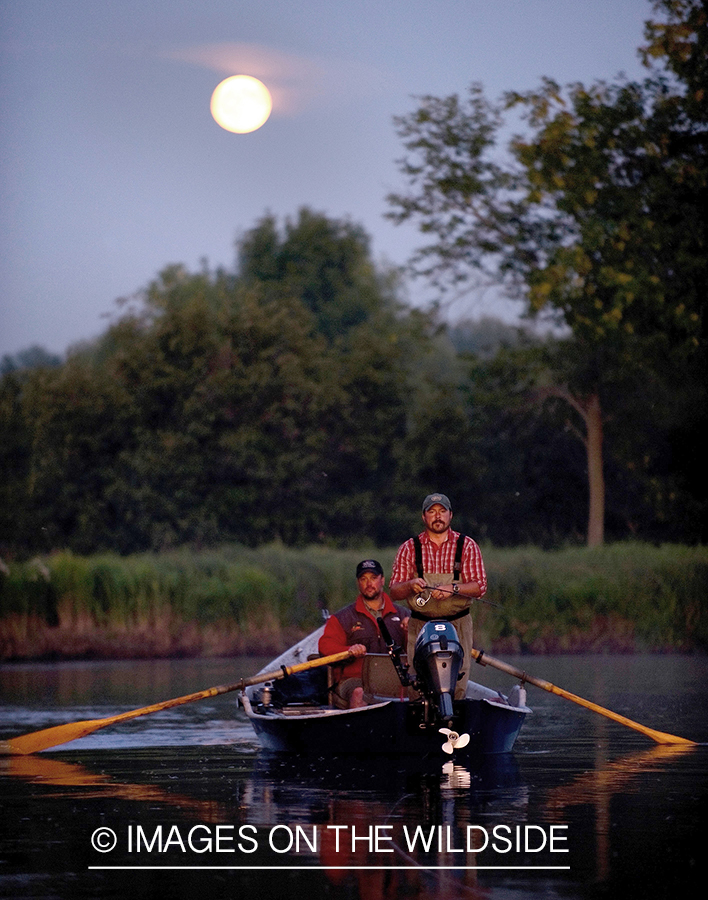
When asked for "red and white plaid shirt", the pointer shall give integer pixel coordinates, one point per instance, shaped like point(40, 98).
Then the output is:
point(440, 559)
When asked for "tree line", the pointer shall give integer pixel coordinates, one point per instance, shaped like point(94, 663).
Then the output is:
point(298, 398)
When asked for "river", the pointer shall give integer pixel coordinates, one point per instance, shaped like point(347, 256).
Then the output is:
point(583, 808)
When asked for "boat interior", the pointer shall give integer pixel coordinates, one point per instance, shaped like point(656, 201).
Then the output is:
point(314, 688)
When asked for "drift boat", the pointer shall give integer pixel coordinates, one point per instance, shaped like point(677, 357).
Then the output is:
point(408, 715)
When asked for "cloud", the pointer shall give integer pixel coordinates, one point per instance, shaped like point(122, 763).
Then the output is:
point(295, 82)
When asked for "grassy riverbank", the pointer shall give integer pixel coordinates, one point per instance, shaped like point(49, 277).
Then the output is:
point(620, 598)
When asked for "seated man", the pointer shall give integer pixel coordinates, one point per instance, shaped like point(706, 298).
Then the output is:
point(355, 628)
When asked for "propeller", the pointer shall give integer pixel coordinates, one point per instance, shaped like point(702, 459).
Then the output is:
point(454, 740)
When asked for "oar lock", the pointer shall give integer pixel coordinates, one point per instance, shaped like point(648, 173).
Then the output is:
point(266, 693)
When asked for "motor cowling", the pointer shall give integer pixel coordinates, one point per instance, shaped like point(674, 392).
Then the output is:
point(437, 659)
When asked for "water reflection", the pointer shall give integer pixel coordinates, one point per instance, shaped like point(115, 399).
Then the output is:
point(598, 787)
point(343, 800)
point(354, 796)
point(635, 812)
point(47, 771)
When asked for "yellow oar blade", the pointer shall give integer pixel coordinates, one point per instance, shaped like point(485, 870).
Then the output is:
point(660, 737)
point(62, 734)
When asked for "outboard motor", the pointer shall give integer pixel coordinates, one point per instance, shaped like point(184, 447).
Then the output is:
point(437, 659)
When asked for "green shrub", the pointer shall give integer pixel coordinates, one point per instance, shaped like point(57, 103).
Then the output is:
point(656, 595)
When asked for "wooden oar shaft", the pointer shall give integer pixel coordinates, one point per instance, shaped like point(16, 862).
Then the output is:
point(62, 734)
point(659, 736)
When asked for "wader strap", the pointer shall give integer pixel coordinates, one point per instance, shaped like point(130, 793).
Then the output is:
point(418, 556)
point(459, 615)
point(456, 566)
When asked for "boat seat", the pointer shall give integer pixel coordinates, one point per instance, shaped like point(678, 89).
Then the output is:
point(380, 679)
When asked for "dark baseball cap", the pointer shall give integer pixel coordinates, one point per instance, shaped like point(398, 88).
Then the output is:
point(432, 499)
point(369, 565)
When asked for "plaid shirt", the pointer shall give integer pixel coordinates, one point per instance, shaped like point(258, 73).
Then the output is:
point(440, 559)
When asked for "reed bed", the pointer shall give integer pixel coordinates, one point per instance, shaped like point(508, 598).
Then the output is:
point(234, 600)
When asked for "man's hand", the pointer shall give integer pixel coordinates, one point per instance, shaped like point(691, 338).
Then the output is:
point(357, 650)
point(401, 591)
point(417, 585)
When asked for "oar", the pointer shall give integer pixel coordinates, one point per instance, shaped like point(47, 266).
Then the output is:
point(62, 734)
point(659, 736)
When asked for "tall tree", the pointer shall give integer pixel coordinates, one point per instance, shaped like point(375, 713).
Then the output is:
point(596, 217)
point(324, 262)
point(271, 402)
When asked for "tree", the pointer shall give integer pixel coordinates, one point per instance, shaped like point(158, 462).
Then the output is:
point(325, 263)
point(274, 402)
point(233, 393)
point(78, 419)
point(34, 357)
point(596, 218)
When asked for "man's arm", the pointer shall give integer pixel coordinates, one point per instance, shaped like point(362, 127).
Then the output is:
point(469, 589)
point(404, 581)
point(405, 589)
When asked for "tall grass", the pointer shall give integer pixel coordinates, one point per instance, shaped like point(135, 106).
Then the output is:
point(622, 597)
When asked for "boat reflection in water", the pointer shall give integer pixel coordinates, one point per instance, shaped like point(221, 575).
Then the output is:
point(341, 801)
point(270, 790)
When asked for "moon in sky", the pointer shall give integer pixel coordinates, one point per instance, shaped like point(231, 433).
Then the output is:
point(241, 104)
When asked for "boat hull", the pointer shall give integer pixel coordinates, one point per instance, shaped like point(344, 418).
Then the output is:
point(298, 719)
point(392, 727)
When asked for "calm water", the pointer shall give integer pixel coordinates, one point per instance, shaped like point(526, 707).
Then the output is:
point(188, 789)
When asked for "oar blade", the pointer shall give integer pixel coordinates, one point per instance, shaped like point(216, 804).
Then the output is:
point(660, 737)
point(62, 734)
point(50, 737)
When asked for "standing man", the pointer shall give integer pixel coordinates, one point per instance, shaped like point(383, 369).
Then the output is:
point(355, 628)
point(438, 574)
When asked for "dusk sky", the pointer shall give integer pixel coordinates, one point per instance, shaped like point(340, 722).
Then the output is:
point(113, 168)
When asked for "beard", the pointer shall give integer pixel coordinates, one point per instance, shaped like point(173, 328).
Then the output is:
point(438, 525)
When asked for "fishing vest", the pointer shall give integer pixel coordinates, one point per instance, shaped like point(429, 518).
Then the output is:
point(360, 629)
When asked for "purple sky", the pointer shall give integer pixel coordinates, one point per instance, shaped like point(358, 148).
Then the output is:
point(112, 166)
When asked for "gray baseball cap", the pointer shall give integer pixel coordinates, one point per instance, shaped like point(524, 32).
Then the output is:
point(432, 499)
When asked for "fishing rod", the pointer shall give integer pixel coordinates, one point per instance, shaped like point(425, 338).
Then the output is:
point(443, 590)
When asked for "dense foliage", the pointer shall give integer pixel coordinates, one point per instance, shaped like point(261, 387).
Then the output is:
point(296, 399)
point(286, 400)
point(596, 217)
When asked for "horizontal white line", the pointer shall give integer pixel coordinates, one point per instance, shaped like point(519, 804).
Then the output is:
point(276, 868)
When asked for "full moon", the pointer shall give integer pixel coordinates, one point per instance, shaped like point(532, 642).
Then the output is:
point(241, 104)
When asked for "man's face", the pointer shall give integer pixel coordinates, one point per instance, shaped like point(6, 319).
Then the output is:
point(437, 519)
point(370, 585)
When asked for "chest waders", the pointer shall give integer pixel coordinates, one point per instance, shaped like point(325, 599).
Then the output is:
point(455, 609)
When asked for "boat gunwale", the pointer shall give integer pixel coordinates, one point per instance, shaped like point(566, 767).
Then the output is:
point(321, 712)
